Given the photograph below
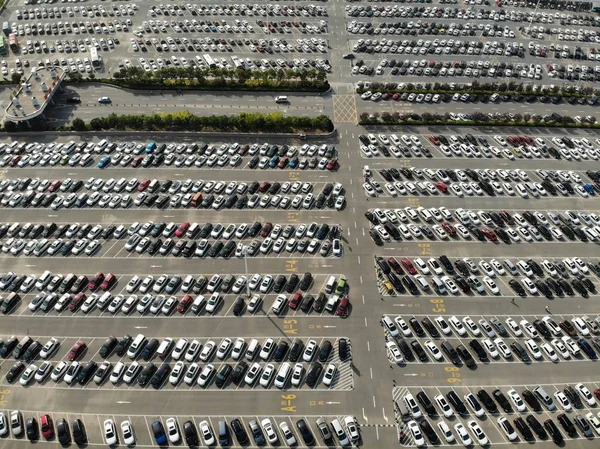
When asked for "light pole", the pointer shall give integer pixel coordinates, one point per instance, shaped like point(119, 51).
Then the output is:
point(245, 252)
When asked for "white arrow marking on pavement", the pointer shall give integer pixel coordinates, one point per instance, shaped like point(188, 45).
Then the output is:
point(329, 326)
point(145, 327)
point(123, 402)
point(411, 374)
point(332, 402)
point(365, 416)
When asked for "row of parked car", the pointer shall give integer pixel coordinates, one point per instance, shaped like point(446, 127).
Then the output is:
point(215, 369)
point(261, 430)
point(478, 404)
point(548, 278)
point(557, 346)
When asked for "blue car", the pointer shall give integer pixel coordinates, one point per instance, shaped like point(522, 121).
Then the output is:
point(159, 433)
point(274, 161)
point(293, 163)
point(589, 189)
point(104, 162)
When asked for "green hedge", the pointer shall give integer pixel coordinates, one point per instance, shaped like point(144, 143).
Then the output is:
point(185, 121)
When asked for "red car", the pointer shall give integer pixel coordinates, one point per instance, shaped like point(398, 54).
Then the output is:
point(491, 235)
point(143, 185)
point(264, 187)
point(54, 186)
point(392, 262)
point(296, 301)
point(441, 187)
point(182, 229)
point(266, 230)
point(283, 162)
point(77, 350)
point(597, 393)
point(109, 281)
point(96, 281)
point(47, 426)
point(137, 161)
point(332, 164)
point(451, 230)
point(184, 304)
point(76, 302)
point(407, 264)
point(342, 309)
point(15, 160)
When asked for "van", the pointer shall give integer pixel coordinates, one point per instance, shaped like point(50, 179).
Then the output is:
point(104, 300)
point(13, 230)
point(545, 398)
point(23, 345)
point(43, 280)
point(81, 200)
point(402, 410)
point(68, 148)
point(192, 230)
point(390, 326)
point(67, 283)
point(282, 99)
point(279, 304)
point(438, 286)
point(450, 352)
point(101, 145)
point(198, 304)
point(165, 348)
point(196, 199)
point(422, 282)
point(136, 346)
point(339, 431)
point(252, 350)
point(160, 375)
point(412, 406)
point(511, 267)
point(283, 375)
point(331, 303)
point(9, 302)
point(223, 433)
point(330, 285)
point(153, 186)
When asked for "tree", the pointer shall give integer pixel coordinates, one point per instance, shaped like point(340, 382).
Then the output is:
point(526, 117)
point(386, 117)
point(16, 78)
point(364, 117)
point(78, 125)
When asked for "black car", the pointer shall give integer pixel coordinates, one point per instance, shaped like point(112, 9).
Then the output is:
point(238, 372)
point(418, 350)
point(426, 403)
point(62, 431)
point(325, 351)
point(79, 433)
point(281, 351)
point(279, 283)
point(87, 372)
point(428, 430)
point(32, 429)
point(517, 287)
point(223, 375)
point(306, 281)
point(291, 283)
point(238, 306)
point(466, 356)
point(238, 430)
point(314, 374)
point(487, 401)
point(191, 433)
point(520, 352)
point(567, 424)
point(296, 351)
point(319, 303)
point(457, 403)
point(123, 344)
point(502, 401)
point(417, 328)
point(146, 374)
point(15, 372)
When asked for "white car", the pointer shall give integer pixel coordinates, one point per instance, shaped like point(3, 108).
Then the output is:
point(173, 430)
point(434, 350)
point(269, 430)
point(491, 285)
point(514, 327)
point(110, 433)
point(419, 440)
point(394, 351)
point(297, 374)
point(329, 375)
point(457, 326)
point(128, 433)
point(562, 400)
point(288, 435)
point(207, 350)
point(516, 400)
point(267, 375)
point(508, 429)
point(224, 348)
point(463, 435)
point(444, 406)
point(478, 433)
point(533, 349)
point(206, 375)
point(207, 433)
point(585, 394)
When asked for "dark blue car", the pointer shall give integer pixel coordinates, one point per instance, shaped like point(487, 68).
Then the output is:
point(589, 189)
point(104, 162)
point(159, 433)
